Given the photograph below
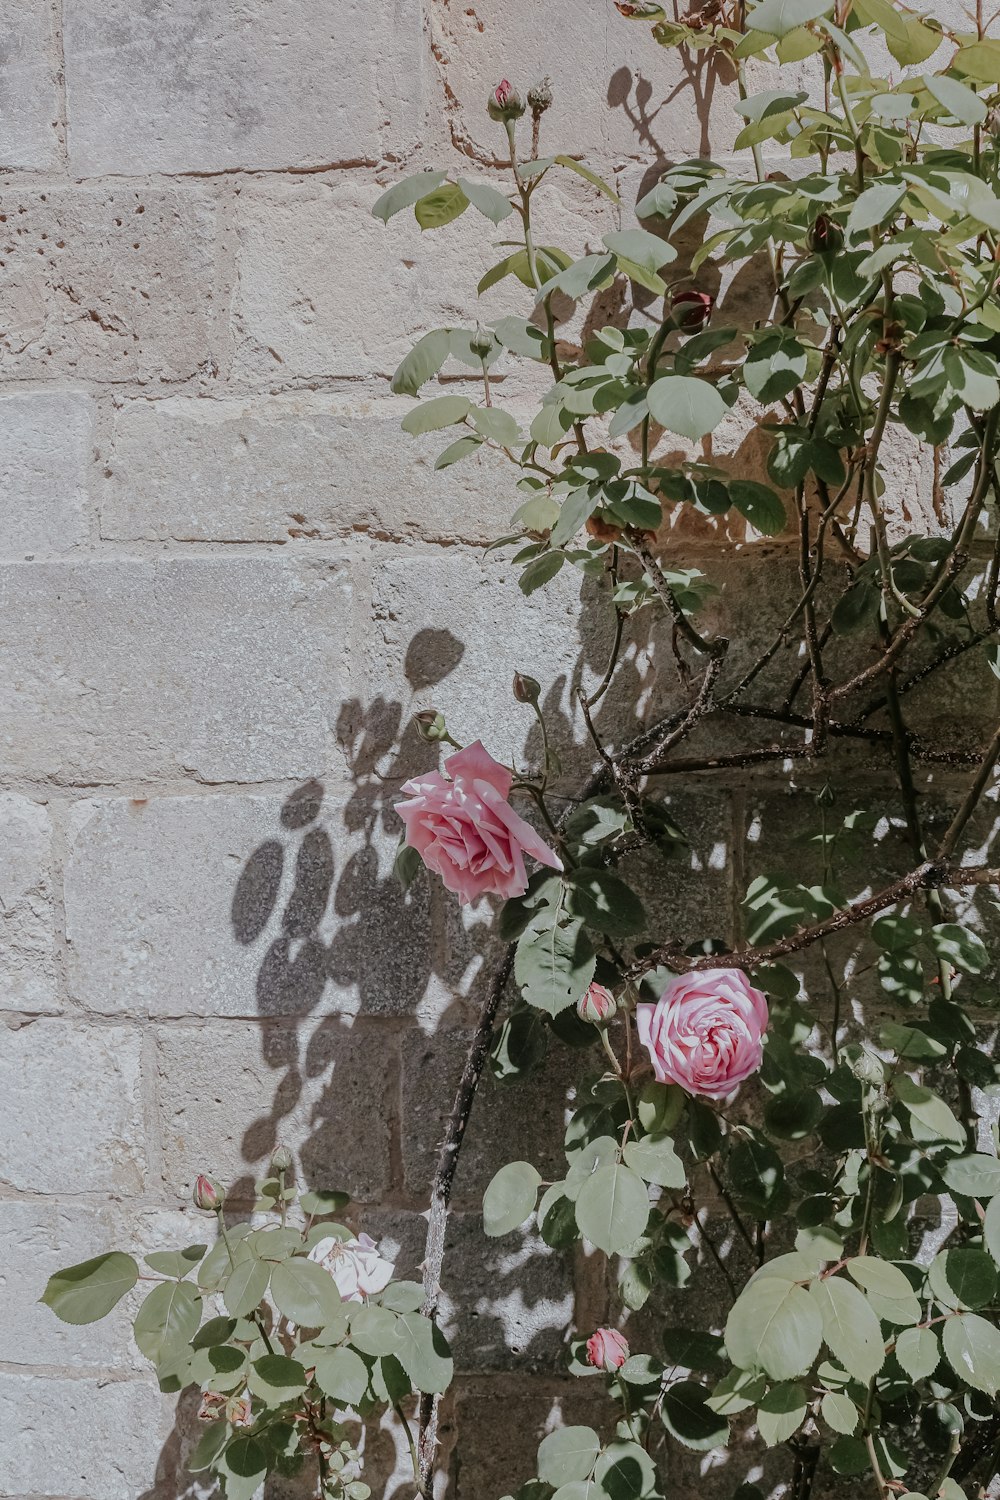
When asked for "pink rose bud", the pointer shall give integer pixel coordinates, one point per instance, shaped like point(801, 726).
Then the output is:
point(691, 310)
point(502, 92)
point(464, 829)
point(505, 103)
point(598, 1005)
point(705, 1031)
point(607, 1350)
point(208, 1195)
point(526, 689)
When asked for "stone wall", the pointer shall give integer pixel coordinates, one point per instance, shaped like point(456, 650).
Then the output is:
point(227, 582)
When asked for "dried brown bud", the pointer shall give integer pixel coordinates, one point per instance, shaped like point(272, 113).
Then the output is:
point(431, 725)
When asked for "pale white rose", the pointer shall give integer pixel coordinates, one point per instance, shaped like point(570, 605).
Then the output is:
point(355, 1265)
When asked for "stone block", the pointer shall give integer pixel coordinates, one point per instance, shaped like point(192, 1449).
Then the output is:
point(230, 905)
point(73, 1107)
point(28, 87)
point(304, 465)
point(495, 1457)
point(27, 958)
point(222, 668)
point(92, 1438)
point(45, 447)
point(231, 1092)
point(178, 87)
point(110, 283)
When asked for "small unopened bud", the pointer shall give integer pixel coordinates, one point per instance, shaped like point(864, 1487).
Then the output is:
point(526, 689)
point(825, 235)
point(481, 342)
point(691, 310)
point(826, 796)
point(540, 96)
point(867, 1066)
point(607, 1350)
point(281, 1161)
point(208, 1195)
point(598, 1005)
point(431, 725)
point(505, 103)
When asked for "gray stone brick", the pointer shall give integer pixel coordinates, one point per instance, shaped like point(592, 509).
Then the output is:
point(45, 446)
point(230, 1092)
point(278, 468)
point(224, 668)
point(28, 87)
point(27, 958)
point(114, 283)
point(179, 87)
point(73, 1107)
point(220, 905)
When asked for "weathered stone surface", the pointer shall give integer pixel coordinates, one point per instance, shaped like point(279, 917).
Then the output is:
point(45, 446)
point(229, 1093)
point(27, 960)
point(292, 466)
point(73, 1107)
point(181, 87)
point(224, 668)
point(28, 90)
point(93, 1438)
point(244, 906)
point(112, 283)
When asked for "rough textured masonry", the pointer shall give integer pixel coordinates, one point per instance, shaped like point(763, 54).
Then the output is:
point(227, 581)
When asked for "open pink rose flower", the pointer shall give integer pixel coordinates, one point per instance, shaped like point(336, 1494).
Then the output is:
point(464, 829)
point(705, 1031)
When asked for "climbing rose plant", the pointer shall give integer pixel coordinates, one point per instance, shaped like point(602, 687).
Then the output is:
point(730, 1120)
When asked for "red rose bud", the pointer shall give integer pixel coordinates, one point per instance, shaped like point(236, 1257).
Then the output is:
point(607, 1350)
point(825, 235)
point(691, 310)
point(526, 689)
point(208, 1195)
point(598, 1006)
point(505, 103)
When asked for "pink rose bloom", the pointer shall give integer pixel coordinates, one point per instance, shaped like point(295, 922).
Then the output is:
point(357, 1268)
point(705, 1031)
point(465, 830)
point(607, 1350)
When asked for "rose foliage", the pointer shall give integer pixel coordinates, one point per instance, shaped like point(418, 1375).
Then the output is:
point(738, 1118)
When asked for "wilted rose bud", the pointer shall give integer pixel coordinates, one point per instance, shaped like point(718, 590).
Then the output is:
point(505, 103)
point(431, 725)
point(607, 1350)
point(540, 96)
point(281, 1161)
point(598, 1005)
point(212, 1406)
point(239, 1411)
point(691, 310)
point(481, 342)
point(208, 1195)
point(825, 235)
point(645, 10)
point(526, 689)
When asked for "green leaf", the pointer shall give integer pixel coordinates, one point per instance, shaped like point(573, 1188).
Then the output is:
point(976, 1176)
point(583, 276)
point(554, 962)
point(577, 508)
point(321, 1204)
point(208, 1447)
point(423, 1352)
point(246, 1286)
point(167, 1320)
point(656, 1161)
point(624, 1471)
point(778, 17)
point(305, 1292)
point(781, 1413)
point(461, 448)
point(510, 1197)
point(498, 425)
point(422, 363)
point(276, 1379)
point(219, 1368)
point(440, 206)
point(959, 947)
point(737, 1391)
point(246, 1459)
point(612, 1208)
point(88, 1291)
point(640, 255)
point(979, 61)
point(441, 411)
point(760, 505)
point(887, 1289)
point(373, 1330)
point(774, 1326)
point(850, 1327)
point(960, 101)
point(568, 1453)
point(839, 1412)
point(962, 1278)
point(175, 1262)
point(991, 1229)
point(538, 573)
point(605, 902)
point(686, 405)
point(930, 1118)
point(911, 1044)
point(487, 199)
point(876, 204)
point(342, 1375)
point(774, 366)
point(972, 1348)
point(688, 1417)
point(404, 194)
point(917, 1352)
point(589, 176)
